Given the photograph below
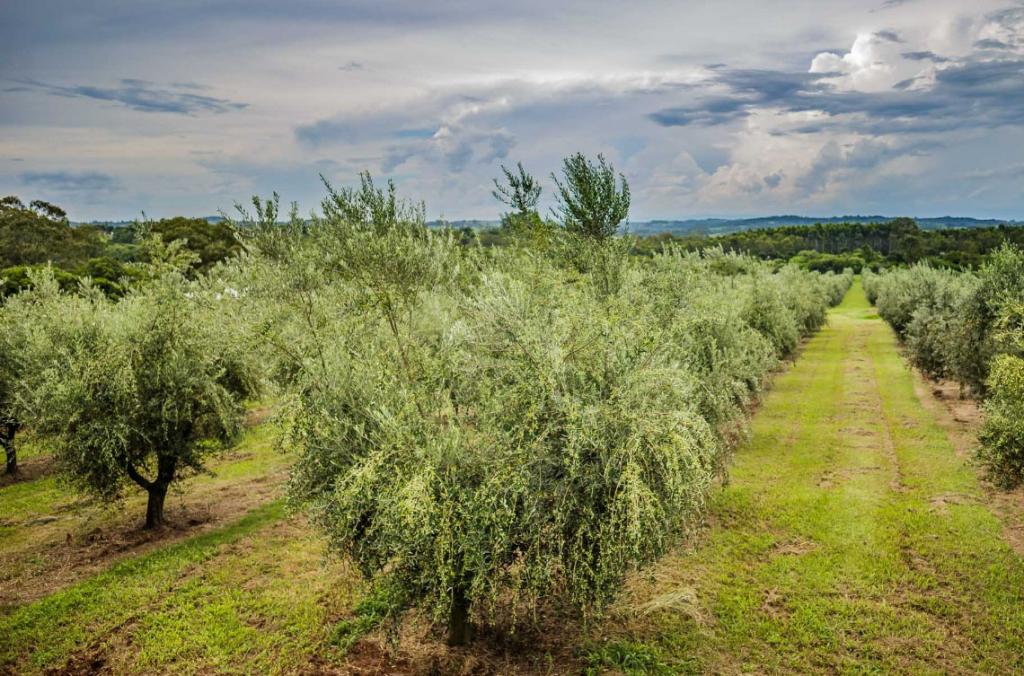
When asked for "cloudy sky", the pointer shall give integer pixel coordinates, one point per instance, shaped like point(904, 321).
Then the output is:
point(734, 107)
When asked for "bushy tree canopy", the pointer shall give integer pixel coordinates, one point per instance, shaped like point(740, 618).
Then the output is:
point(484, 428)
point(212, 242)
point(41, 233)
point(138, 391)
point(590, 202)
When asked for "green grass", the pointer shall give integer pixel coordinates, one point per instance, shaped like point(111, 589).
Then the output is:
point(851, 537)
point(264, 607)
point(49, 630)
point(256, 594)
point(27, 500)
point(253, 596)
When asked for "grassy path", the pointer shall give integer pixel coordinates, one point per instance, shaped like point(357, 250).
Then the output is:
point(852, 538)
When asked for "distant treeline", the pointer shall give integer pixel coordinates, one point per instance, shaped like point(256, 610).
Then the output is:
point(40, 234)
point(829, 246)
point(835, 246)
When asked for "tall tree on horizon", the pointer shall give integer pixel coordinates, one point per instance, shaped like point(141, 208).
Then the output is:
point(591, 203)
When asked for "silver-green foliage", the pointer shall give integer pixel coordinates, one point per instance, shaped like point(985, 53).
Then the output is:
point(968, 326)
point(1002, 436)
point(136, 391)
point(498, 427)
point(927, 307)
point(591, 203)
point(16, 361)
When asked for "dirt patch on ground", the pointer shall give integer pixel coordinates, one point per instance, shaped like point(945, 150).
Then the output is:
point(28, 470)
point(870, 401)
point(261, 414)
point(857, 431)
point(96, 657)
point(90, 661)
point(773, 605)
point(543, 646)
point(62, 556)
point(1009, 507)
point(958, 415)
point(794, 547)
point(370, 658)
point(831, 479)
point(941, 503)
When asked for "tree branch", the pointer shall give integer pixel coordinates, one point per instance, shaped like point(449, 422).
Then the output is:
point(136, 477)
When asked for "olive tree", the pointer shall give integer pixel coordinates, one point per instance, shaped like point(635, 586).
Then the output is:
point(520, 191)
point(591, 203)
point(503, 448)
point(22, 354)
point(479, 430)
point(1002, 435)
point(1001, 450)
point(141, 391)
point(11, 356)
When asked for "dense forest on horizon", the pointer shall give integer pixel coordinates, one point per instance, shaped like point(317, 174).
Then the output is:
point(835, 246)
point(831, 246)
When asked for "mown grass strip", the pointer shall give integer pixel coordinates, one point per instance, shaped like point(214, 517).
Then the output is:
point(266, 605)
point(46, 633)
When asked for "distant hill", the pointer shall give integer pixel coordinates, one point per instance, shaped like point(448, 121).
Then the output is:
point(473, 223)
point(708, 226)
point(125, 224)
point(722, 226)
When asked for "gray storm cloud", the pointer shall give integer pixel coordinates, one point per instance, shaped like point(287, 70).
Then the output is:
point(740, 108)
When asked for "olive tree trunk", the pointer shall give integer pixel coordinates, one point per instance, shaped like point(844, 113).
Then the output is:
point(460, 630)
point(11, 462)
point(155, 505)
point(157, 489)
point(7, 432)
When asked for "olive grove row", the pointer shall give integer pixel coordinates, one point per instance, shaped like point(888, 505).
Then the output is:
point(476, 428)
point(968, 326)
